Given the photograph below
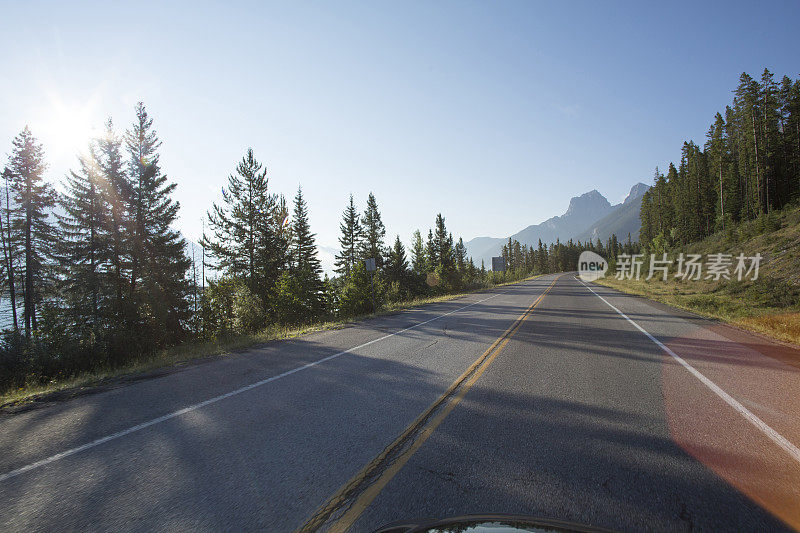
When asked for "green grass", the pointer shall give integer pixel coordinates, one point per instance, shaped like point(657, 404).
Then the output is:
point(182, 354)
point(769, 306)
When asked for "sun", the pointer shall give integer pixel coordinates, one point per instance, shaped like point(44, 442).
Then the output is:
point(67, 127)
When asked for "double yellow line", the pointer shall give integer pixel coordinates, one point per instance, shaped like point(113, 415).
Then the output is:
point(348, 503)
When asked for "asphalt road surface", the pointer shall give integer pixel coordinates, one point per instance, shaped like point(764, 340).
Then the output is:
point(548, 398)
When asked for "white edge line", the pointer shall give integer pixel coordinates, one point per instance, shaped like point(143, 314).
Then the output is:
point(776, 437)
point(215, 399)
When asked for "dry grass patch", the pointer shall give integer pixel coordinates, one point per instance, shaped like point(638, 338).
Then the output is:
point(768, 307)
point(783, 326)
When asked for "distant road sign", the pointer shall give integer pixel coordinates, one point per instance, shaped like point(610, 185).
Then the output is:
point(370, 263)
point(498, 264)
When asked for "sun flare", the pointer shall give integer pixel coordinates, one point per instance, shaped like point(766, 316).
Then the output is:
point(68, 126)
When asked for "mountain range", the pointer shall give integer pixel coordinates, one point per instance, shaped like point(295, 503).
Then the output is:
point(589, 216)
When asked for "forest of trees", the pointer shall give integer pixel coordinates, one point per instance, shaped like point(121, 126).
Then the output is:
point(97, 275)
point(748, 167)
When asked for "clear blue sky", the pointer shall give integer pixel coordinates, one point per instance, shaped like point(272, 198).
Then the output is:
point(493, 113)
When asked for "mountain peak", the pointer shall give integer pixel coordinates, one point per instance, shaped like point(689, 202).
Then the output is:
point(589, 216)
point(637, 191)
point(588, 203)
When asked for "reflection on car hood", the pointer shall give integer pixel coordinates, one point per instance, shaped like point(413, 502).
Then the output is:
point(493, 523)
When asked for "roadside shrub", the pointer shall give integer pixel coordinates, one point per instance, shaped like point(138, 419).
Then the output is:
point(766, 223)
point(356, 294)
point(248, 310)
point(397, 292)
point(217, 307)
point(13, 364)
point(291, 304)
point(731, 234)
point(659, 245)
point(769, 292)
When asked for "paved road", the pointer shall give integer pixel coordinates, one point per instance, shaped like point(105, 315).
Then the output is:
point(538, 398)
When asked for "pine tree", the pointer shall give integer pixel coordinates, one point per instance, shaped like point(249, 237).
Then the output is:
point(517, 255)
point(746, 113)
point(443, 245)
point(397, 265)
point(748, 167)
point(472, 272)
point(84, 245)
point(445, 266)
point(34, 234)
point(349, 240)
point(460, 255)
point(788, 177)
point(118, 195)
point(159, 265)
point(8, 249)
point(195, 319)
point(372, 245)
point(542, 256)
point(717, 159)
point(790, 118)
point(770, 120)
point(275, 237)
point(305, 262)
point(249, 235)
point(431, 256)
point(418, 259)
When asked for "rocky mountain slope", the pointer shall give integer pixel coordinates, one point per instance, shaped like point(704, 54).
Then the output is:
point(589, 215)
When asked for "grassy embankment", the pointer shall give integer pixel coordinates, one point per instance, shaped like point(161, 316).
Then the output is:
point(770, 305)
point(189, 351)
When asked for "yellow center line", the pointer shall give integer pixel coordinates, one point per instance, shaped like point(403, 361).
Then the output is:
point(377, 473)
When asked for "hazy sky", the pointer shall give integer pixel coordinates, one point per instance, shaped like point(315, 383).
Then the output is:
point(493, 113)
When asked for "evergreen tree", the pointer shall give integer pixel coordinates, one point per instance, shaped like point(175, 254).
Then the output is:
point(418, 259)
point(158, 274)
point(33, 232)
point(349, 240)
point(443, 245)
point(748, 167)
point(397, 265)
point(431, 255)
point(306, 267)
point(717, 158)
point(746, 115)
point(542, 257)
point(518, 260)
point(9, 249)
point(471, 272)
point(275, 238)
point(460, 255)
point(118, 196)
point(83, 248)
point(372, 245)
point(250, 238)
point(790, 127)
point(445, 266)
point(769, 131)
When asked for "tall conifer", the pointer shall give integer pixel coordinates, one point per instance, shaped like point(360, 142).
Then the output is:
point(34, 198)
point(349, 240)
